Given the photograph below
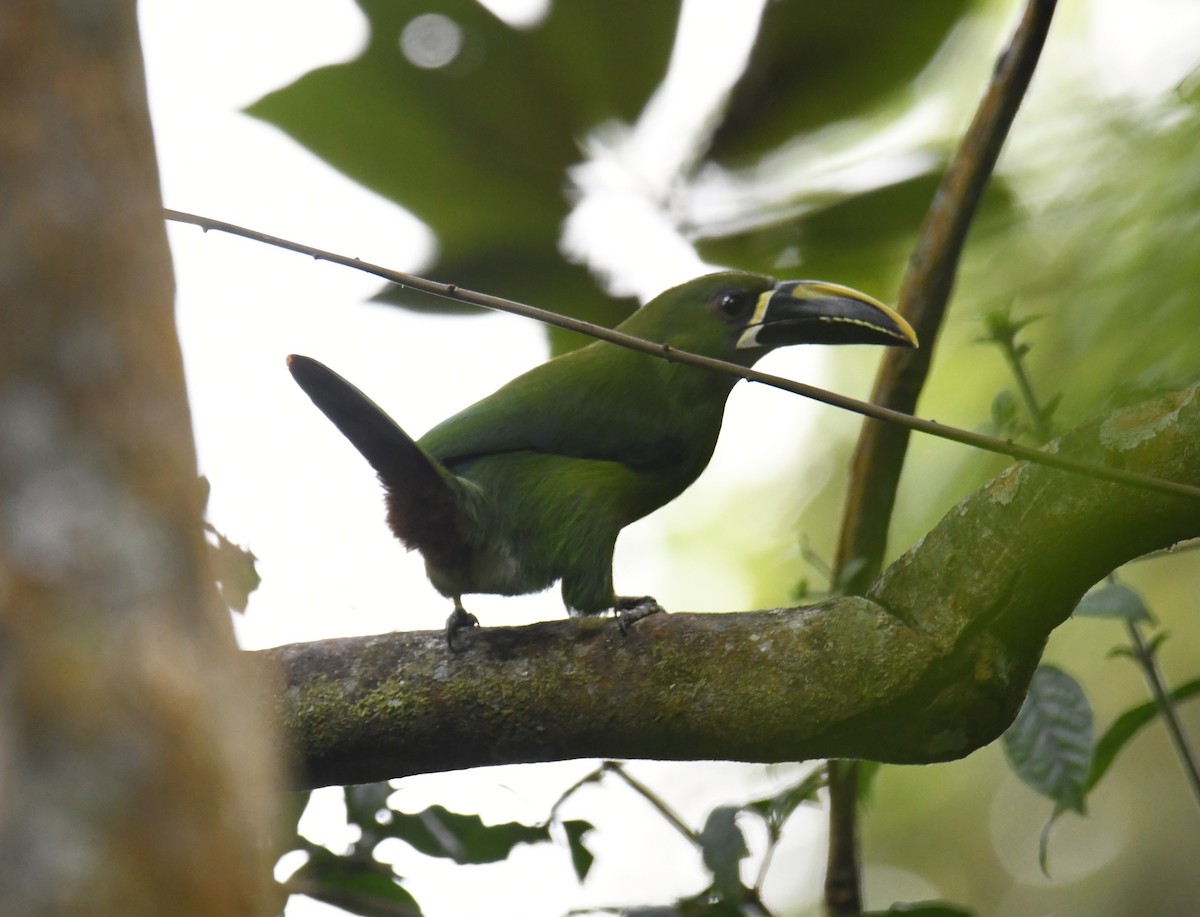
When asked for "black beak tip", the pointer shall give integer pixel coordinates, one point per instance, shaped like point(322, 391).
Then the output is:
point(815, 312)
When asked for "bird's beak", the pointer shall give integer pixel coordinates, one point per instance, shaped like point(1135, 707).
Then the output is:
point(812, 312)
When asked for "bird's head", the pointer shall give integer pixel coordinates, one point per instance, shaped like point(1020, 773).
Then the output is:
point(739, 317)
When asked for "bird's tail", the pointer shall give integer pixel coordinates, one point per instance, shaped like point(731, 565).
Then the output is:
point(423, 497)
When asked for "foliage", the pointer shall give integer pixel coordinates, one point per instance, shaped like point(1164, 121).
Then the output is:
point(358, 882)
point(1049, 744)
point(479, 148)
point(482, 147)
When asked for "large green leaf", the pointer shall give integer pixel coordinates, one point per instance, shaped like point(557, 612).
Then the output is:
point(479, 148)
point(855, 238)
point(1049, 744)
point(581, 857)
point(1128, 725)
point(435, 831)
point(818, 63)
point(438, 832)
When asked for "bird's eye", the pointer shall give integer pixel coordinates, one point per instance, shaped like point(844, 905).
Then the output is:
point(732, 306)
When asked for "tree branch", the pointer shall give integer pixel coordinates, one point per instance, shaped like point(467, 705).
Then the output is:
point(925, 295)
point(673, 355)
point(879, 455)
point(931, 665)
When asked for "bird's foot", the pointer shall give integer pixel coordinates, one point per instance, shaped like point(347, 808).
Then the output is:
point(631, 609)
point(460, 619)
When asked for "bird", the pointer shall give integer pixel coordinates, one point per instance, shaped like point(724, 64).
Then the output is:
point(533, 483)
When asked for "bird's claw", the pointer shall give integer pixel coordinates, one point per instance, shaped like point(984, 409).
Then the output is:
point(631, 609)
point(460, 619)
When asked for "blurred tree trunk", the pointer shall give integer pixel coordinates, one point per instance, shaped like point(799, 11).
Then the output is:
point(134, 774)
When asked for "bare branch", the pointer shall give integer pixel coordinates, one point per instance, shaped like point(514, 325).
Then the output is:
point(671, 354)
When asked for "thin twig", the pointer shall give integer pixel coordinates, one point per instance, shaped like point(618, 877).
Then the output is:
point(1148, 663)
point(651, 797)
point(925, 293)
point(879, 455)
point(763, 866)
point(843, 865)
point(671, 354)
point(1003, 331)
point(1037, 413)
point(590, 777)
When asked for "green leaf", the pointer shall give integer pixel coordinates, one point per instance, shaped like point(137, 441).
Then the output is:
point(581, 857)
point(922, 909)
point(358, 885)
point(1115, 738)
point(800, 591)
point(1128, 725)
point(365, 801)
point(776, 809)
point(724, 848)
point(1113, 600)
point(479, 149)
point(815, 64)
point(1004, 411)
point(1001, 327)
point(1049, 744)
point(438, 832)
point(840, 234)
point(235, 569)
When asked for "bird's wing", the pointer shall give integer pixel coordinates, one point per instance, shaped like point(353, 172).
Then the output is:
point(597, 403)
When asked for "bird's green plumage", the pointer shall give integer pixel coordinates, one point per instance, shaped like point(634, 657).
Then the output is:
point(533, 483)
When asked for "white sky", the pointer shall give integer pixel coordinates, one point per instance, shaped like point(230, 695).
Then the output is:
point(286, 484)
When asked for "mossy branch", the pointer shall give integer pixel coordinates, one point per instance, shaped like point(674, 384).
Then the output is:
point(931, 665)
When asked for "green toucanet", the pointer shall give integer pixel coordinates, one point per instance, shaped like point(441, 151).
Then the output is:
point(533, 483)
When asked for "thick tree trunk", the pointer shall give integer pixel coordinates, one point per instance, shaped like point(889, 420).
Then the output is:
point(133, 770)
